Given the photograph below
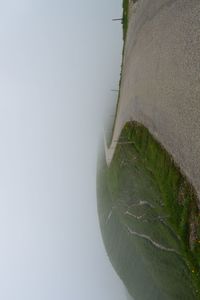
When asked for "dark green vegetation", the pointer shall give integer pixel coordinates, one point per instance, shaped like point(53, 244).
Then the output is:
point(149, 219)
point(125, 5)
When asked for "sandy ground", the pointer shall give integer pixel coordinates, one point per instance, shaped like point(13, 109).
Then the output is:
point(161, 79)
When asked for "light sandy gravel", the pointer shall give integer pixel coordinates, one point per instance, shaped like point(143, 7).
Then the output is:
point(161, 79)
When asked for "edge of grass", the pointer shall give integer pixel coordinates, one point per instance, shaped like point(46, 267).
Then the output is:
point(125, 23)
point(125, 20)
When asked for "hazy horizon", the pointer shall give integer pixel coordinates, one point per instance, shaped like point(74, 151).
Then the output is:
point(59, 61)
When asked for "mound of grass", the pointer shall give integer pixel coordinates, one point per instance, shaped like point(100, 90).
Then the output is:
point(149, 219)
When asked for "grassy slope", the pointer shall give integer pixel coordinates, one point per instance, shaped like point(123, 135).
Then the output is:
point(168, 215)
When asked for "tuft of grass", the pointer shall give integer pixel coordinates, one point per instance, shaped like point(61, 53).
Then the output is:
point(143, 172)
point(125, 6)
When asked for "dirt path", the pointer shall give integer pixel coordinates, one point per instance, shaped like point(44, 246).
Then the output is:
point(154, 243)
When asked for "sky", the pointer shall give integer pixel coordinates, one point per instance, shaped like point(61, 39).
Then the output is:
point(59, 59)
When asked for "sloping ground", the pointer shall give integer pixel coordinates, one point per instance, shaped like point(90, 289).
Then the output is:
point(149, 219)
point(160, 77)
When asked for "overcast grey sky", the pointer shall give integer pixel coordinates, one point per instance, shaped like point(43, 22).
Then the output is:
point(58, 61)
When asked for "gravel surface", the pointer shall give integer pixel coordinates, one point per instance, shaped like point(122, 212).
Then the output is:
point(161, 79)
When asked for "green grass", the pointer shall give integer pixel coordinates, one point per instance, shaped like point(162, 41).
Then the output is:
point(144, 173)
point(125, 5)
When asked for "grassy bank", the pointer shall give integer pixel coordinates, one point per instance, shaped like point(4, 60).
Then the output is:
point(149, 219)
